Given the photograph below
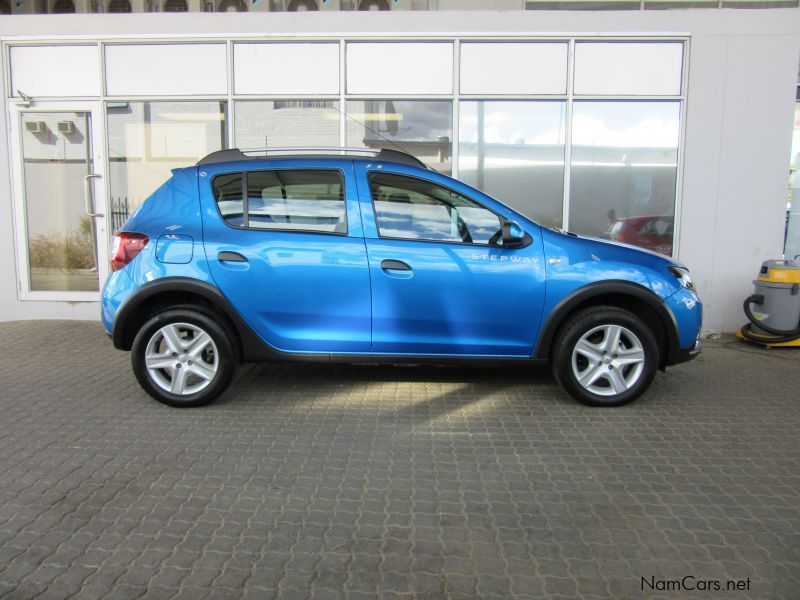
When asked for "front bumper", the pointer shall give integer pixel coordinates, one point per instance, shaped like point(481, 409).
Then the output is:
point(690, 353)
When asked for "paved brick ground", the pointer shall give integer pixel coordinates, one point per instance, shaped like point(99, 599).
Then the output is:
point(357, 482)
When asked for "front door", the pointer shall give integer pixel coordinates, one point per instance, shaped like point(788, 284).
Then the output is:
point(59, 200)
point(440, 283)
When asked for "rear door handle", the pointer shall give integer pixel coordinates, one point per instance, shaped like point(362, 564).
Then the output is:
point(394, 265)
point(231, 257)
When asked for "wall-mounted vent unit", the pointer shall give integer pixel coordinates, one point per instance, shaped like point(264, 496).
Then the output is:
point(66, 127)
point(35, 126)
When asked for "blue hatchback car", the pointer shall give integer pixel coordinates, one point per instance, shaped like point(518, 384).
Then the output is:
point(345, 255)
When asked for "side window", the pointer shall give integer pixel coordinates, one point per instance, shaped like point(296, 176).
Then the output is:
point(409, 208)
point(295, 200)
point(308, 200)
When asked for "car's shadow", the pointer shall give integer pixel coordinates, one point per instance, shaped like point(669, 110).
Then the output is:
point(421, 391)
point(431, 390)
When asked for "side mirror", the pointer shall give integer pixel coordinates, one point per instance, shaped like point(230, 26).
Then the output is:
point(513, 235)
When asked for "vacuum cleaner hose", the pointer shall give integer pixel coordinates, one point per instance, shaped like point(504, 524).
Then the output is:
point(781, 335)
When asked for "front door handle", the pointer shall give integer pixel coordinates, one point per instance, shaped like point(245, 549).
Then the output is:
point(88, 195)
point(394, 265)
point(231, 257)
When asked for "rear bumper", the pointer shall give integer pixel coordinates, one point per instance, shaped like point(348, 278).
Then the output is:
point(118, 288)
point(690, 353)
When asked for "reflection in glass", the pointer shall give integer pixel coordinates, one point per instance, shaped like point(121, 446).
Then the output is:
point(623, 171)
point(284, 123)
point(423, 128)
point(56, 156)
point(410, 208)
point(759, 3)
point(514, 151)
point(665, 4)
point(146, 140)
point(311, 200)
point(296, 200)
point(227, 190)
point(582, 4)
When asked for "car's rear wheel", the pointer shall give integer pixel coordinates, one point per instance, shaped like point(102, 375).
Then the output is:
point(605, 356)
point(184, 357)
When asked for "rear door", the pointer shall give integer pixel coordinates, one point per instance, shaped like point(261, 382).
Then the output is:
point(289, 253)
point(438, 286)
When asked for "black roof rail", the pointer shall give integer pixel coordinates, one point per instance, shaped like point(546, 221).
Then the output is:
point(382, 154)
point(223, 156)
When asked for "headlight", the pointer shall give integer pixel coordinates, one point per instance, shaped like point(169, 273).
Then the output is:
point(682, 275)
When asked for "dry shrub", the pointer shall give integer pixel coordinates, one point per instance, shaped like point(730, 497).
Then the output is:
point(64, 250)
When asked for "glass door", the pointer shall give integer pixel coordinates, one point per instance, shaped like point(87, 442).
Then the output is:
point(60, 202)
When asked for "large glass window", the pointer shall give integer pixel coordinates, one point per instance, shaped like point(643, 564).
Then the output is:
point(299, 123)
point(409, 208)
point(146, 140)
point(294, 200)
point(759, 3)
point(514, 151)
point(56, 156)
point(582, 4)
point(664, 4)
point(628, 68)
point(423, 128)
point(620, 183)
point(479, 73)
point(388, 68)
point(624, 170)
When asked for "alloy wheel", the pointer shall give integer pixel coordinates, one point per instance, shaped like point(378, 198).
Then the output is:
point(608, 360)
point(181, 358)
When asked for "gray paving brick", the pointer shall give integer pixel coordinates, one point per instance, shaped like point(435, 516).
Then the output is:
point(323, 481)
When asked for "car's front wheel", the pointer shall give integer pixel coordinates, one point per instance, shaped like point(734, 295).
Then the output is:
point(605, 356)
point(183, 357)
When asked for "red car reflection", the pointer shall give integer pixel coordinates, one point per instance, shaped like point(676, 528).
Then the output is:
point(651, 232)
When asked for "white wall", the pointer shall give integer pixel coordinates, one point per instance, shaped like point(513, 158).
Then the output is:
point(742, 78)
point(738, 135)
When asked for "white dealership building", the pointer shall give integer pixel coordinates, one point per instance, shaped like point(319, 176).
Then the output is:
point(672, 119)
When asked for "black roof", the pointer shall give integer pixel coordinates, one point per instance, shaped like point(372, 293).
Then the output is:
point(385, 155)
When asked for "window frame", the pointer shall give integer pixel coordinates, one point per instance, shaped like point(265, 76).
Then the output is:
point(373, 172)
point(246, 201)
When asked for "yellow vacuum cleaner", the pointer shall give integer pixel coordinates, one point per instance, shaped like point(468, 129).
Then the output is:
point(777, 320)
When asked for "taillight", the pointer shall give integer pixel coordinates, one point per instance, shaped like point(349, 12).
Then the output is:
point(126, 247)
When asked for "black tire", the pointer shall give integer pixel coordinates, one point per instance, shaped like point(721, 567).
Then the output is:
point(601, 321)
point(225, 359)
